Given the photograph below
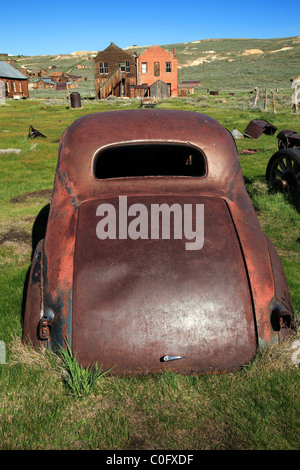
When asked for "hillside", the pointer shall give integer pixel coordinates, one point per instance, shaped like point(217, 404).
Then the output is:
point(220, 64)
point(238, 64)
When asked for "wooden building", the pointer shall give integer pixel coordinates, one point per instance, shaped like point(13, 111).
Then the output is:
point(48, 83)
point(56, 76)
point(115, 72)
point(185, 89)
point(44, 83)
point(192, 83)
point(24, 71)
point(16, 84)
point(34, 73)
point(159, 90)
point(74, 78)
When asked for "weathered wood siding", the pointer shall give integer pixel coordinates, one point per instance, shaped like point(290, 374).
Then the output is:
point(160, 89)
point(106, 83)
point(15, 87)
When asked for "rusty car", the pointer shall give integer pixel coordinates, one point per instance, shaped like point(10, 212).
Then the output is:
point(153, 256)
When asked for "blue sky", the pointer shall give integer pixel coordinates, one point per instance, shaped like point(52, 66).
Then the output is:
point(32, 28)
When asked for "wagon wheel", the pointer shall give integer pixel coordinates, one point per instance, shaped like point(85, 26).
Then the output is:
point(283, 169)
point(282, 142)
point(283, 139)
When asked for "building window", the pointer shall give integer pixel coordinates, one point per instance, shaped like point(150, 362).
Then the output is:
point(144, 67)
point(103, 67)
point(168, 67)
point(122, 66)
point(156, 69)
point(127, 67)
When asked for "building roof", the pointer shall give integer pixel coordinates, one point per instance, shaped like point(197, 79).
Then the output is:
point(113, 47)
point(8, 71)
point(47, 80)
point(186, 85)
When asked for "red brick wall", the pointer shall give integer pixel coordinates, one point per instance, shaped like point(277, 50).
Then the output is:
point(156, 54)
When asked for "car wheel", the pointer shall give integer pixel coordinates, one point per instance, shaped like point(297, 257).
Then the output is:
point(283, 169)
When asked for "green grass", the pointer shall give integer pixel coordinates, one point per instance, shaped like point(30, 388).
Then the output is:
point(79, 380)
point(254, 408)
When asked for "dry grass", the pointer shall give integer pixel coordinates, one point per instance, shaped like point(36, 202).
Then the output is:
point(26, 354)
point(280, 356)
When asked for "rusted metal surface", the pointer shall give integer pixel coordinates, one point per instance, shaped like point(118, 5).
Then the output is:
point(288, 139)
point(164, 299)
point(75, 99)
point(130, 303)
point(256, 127)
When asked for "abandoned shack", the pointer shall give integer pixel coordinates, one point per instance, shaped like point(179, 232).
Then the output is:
point(185, 89)
point(16, 83)
point(43, 83)
point(115, 72)
point(48, 83)
point(159, 90)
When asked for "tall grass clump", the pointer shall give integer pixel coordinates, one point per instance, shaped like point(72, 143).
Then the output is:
point(79, 380)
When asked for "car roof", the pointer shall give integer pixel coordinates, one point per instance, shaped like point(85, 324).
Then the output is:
point(83, 140)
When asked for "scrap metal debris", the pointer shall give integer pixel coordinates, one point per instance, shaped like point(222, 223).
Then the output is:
point(256, 127)
point(248, 151)
point(237, 134)
point(33, 133)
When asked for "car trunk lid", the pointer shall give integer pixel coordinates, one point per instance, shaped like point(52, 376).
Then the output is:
point(138, 300)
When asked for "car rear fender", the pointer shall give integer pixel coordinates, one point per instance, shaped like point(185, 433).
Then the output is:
point(34, 301)
point(282, 316)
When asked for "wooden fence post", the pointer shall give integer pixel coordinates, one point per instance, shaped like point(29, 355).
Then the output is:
point(295, 97)
point(256, 93)
point(266, 106)
point(273, 98)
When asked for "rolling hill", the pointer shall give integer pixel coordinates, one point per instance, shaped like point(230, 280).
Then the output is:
point(220, 64)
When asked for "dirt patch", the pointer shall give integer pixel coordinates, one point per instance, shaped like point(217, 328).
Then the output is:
point(282, 49)
point(15, 236)
point(42, 194)
point(252, 51)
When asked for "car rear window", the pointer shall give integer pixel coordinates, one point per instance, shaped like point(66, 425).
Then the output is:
point(149, 160)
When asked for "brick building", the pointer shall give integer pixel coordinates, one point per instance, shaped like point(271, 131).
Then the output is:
point(156, 64)
point(122, 73)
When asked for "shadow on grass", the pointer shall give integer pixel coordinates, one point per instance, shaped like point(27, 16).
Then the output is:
point(291, 197)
